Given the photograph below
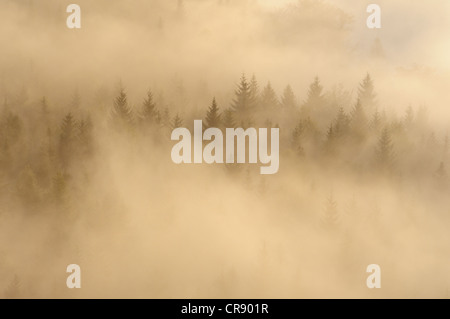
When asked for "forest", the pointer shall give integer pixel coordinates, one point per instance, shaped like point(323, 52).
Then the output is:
point(86, 175)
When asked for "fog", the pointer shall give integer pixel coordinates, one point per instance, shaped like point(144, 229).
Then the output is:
point(86, 175)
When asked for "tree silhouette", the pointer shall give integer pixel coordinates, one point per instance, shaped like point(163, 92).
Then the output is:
point(366, 92)
point(269, 100)
point(177, 122)
point(315, 96)
point(385, 151)
point(342, 124)
point(376, 122)
point(244, 101)
point(66, 139)
point(228, 119)
point(213, 115)
point(149, 112)
point(122, 114)
point(254, 90)
point(288, 99)
point(358, 121)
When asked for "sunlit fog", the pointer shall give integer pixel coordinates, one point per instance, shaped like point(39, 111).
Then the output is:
point(87, 178)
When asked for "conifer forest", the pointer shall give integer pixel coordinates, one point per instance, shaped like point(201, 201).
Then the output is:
point(86, 175)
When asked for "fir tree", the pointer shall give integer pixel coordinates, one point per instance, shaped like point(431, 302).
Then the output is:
point(376, 122)
point(269, 98)
point(342, 123)
point(66, 139)
point(315, 97)
point(358, 121)
point(84, 136)
point(149, 112)
point(288, 99)
point(177, 122)
point(244, 102)
point(121, 111)
point(213, 116)
point(385, 151)
point(366, 92)
point(254, 90)
point(228, 119)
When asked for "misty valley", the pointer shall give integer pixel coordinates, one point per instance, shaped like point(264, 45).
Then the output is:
point(193, 149)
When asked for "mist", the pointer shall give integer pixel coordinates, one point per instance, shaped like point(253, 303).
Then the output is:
point(86, 175)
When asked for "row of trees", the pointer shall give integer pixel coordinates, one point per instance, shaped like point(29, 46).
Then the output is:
point(327, 128)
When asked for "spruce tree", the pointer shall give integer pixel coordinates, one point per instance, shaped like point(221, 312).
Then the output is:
point(177, 122)
point(315, 97)
point(358, 121)
point(244, 102)
point(254, 90)
point(288, 99)
point(342, 123)
point(149, 112)
point(228, 119)
point(213, 116)
point(385, 151)
point(121, 111)
point(66, 139)
point(85, 136)
point(269, 98)
point(366, 92)
point(376, 122)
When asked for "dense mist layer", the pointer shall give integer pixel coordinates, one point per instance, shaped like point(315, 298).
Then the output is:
point(86, 175)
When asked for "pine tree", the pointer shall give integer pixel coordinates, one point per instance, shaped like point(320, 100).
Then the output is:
point(376, 122)
point(66, 139)
point(342, 123)
point(366, 92)
point(254, 90)
point(149, 112)
point(288, 99)
point(228, 119)
point(85, 136)
point(330, 141)
point(213, 116)
point(177, 122)
point(269, 98)
point(243, 102)
point(122, 113)
point(315, 97)
point(385, 151)
point(358, 121)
